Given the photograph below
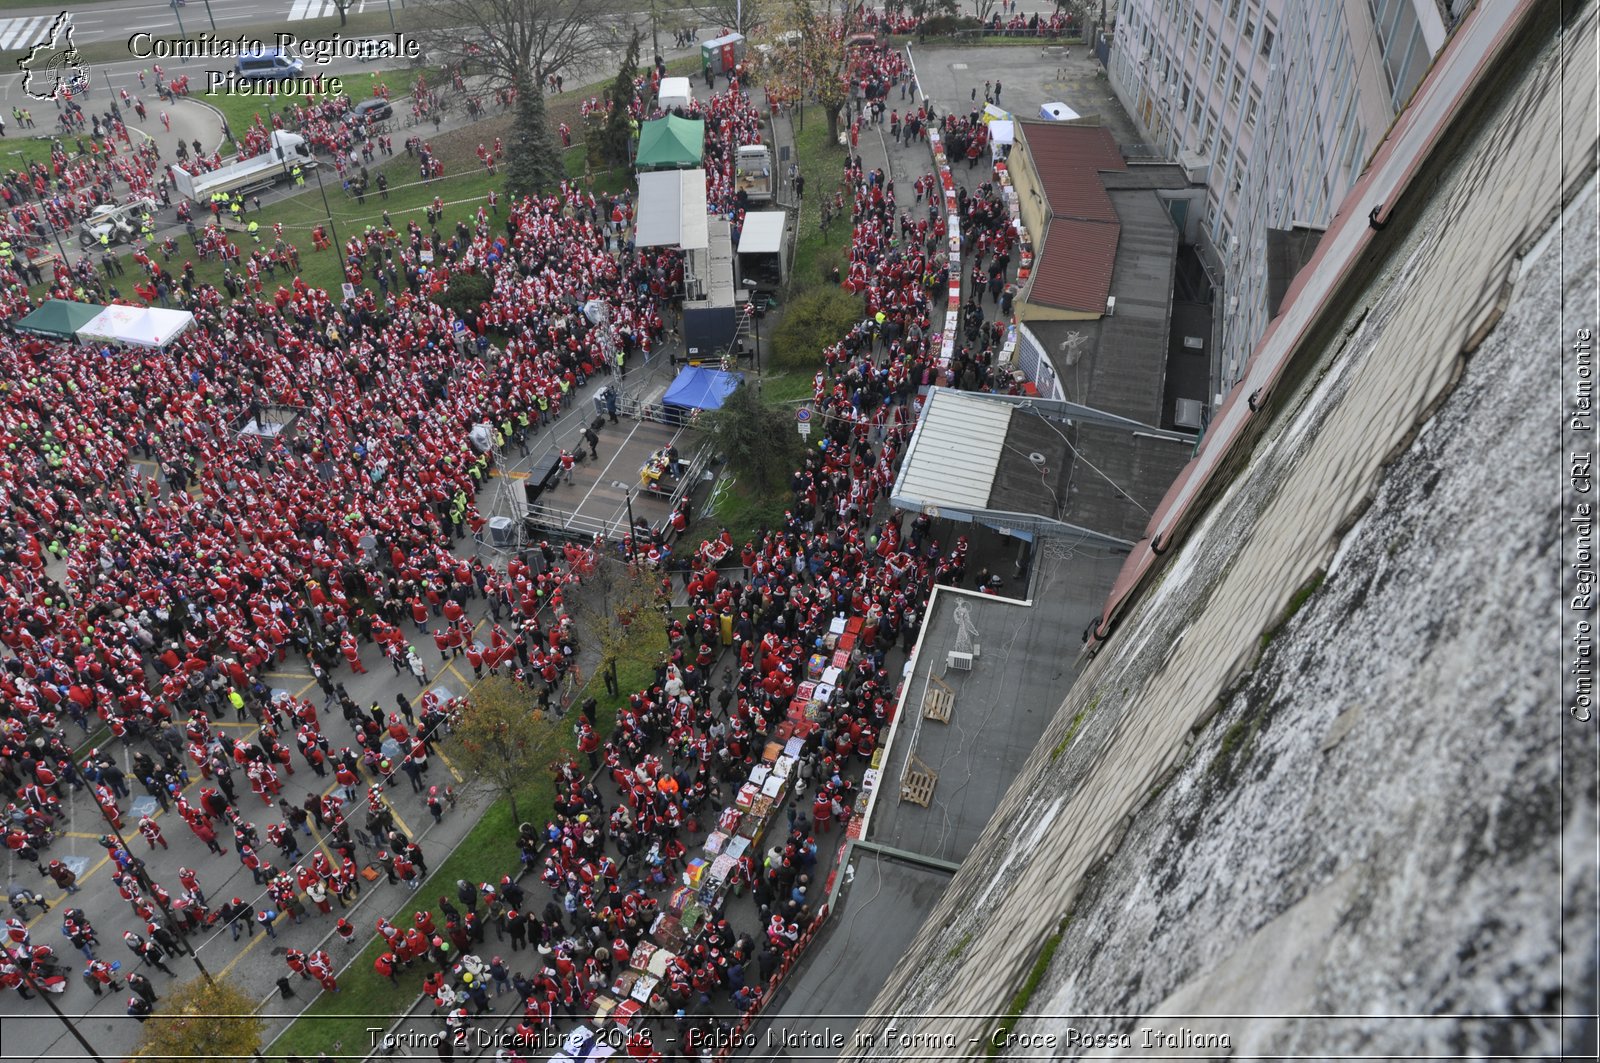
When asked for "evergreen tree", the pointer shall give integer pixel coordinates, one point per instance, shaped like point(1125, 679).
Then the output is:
point(535, 165)
point(616, 147)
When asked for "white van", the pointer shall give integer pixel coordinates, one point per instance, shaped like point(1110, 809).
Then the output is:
point(674, 92)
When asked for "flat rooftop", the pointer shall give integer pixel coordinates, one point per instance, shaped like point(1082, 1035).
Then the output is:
point(1027, 660)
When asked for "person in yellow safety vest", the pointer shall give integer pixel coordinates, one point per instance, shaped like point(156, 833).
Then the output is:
point(5, 252)
point(298, 174)
point(105, 239)
point(621, 369)
point(236, 208)
point(254, 229)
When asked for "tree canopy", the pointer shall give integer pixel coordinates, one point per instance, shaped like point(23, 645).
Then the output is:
point(503, 740)
point(513, 40)
point(202, 1019)
point(760, 441)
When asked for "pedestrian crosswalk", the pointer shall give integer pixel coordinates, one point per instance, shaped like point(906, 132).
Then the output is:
point(24, 32)
point(304, 9)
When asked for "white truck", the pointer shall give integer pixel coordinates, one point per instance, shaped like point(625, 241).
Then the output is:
point(117, 222)
point(288, 150)
point(752, 172)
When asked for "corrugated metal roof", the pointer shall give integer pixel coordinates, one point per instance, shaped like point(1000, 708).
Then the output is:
point(1068, 160)
point(1080, 244)
point(1074, 269)
point(956, 454)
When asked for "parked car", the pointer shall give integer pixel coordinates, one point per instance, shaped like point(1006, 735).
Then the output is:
point(373, 110)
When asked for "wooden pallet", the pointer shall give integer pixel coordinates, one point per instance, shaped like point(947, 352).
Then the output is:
point(916, 785)
point(939, 700)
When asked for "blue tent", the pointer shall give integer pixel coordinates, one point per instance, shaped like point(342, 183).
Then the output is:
point(699, 388)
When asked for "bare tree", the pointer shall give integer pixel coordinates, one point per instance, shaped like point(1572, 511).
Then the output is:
point(520, 42)
point(809, 52)
point(740, 16)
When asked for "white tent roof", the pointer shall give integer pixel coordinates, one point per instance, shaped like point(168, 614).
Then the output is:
point(1058, 112)
point(1002, 132)
point(763, 232)
point(672, 210)
point(955, 453)
point(139, 326)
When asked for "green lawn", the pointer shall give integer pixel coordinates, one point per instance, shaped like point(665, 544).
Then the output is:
point(822, 161)
point(17, 152)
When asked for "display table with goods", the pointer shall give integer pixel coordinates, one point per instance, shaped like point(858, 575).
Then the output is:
point(659, 471)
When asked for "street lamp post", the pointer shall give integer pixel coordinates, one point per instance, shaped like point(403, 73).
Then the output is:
point(44, 214)
point(176, 11)
point(627, 495)
point(142, 873)
point(633, 547)
point(72, 1029)
point(210, 17)
point(333, 228)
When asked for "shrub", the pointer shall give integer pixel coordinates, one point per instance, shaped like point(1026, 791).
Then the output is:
point(813, 319)
point(466, 294)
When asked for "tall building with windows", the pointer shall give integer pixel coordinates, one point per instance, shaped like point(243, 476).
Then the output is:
point(1275, 106)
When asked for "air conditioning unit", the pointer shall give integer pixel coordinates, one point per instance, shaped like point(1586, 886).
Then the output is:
point(1111, 306)
point(961, 662)
point(1194, 343)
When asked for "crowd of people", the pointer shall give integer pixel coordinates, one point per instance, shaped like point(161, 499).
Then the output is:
point(162, 553)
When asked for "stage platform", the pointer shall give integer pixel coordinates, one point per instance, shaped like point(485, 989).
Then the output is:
point(596, 501)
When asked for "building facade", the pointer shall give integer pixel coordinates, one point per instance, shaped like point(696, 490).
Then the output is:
point(1275, 105)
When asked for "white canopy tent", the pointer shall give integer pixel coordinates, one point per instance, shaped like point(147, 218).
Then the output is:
point(1058, 112)
point(137, 326)
point(1002, 134)
point(672, 210)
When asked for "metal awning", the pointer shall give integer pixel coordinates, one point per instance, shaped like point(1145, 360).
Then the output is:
point(672, 210)
point(957, 465)
point(955, 451)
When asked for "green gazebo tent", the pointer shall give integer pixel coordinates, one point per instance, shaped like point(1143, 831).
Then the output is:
point(671, 143)
point(58, 319)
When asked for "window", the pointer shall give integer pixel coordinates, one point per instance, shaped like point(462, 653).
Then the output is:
point(1235, 86)
point(1268, 38)
point(1399, 39)
point(1250, 108)
point(1248, 33)
point(1233, 9)
point(1205, 56)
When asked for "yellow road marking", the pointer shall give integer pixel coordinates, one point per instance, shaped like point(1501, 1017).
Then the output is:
point(245, 951)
